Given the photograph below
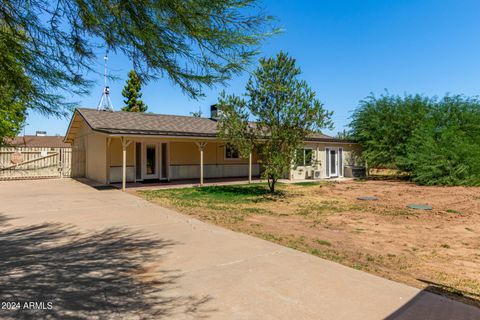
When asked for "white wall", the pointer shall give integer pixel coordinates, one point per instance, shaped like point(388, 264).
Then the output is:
point(320, 155)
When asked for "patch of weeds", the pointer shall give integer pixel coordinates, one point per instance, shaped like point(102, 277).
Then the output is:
point(331, 255)
point(270, 237)
point(453, 211)
point(359, 230)
point(323, 242)
point(325, 207)
point(370, 258)
point(358, 266)
point(397, 212)
point(445, 245)
point(309, 183)
point(259, 211)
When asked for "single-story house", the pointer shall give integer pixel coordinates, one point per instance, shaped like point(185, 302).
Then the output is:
point(113, 147)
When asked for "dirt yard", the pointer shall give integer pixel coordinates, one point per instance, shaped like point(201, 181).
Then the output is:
point(438, 249)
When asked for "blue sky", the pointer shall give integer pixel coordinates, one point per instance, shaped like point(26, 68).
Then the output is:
point(346, 49)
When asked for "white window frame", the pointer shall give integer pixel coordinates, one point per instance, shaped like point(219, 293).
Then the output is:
point(338, 162)
point(304, 164)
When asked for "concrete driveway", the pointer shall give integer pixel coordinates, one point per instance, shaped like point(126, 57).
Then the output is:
point(107, 254)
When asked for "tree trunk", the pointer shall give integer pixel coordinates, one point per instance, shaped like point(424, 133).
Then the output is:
point(271, 183)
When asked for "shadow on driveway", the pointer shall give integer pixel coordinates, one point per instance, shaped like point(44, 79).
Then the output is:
point(114, 273)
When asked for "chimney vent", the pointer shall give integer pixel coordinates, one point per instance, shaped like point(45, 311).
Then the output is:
point(214, 112)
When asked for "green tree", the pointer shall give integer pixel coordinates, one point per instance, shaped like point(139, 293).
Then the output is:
point(13, 101)
point(195, 43)
point(384, 125)
point(435, 141)
point(285, 110)
point(445, 150)
point(132, 94)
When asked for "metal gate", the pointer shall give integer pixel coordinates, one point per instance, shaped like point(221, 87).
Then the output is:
point(34, 162)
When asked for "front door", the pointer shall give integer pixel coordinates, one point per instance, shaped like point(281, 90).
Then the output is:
point(150, 163)
point(333, 162)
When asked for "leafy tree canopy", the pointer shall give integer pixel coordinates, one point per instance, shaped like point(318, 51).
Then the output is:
point(195, 43)
point(285, 110)
point(383, 125)
point(435, 141)
point(132, 94)
point(445, 149)
point(13, 99)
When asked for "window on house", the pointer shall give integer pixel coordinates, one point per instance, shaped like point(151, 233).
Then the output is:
point(231, 152)
point(304, 157)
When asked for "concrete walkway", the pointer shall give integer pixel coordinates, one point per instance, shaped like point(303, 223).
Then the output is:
point(108, 254)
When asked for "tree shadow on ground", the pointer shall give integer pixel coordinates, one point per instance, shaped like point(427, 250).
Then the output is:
point(111, 274)
point(254, 190)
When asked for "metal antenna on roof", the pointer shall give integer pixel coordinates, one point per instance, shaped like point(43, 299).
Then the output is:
point(105, 102)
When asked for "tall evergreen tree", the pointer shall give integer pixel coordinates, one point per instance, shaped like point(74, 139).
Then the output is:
point(132, 94)
point(285, 110)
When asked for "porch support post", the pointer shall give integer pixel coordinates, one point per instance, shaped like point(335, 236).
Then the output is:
point(125, 144)
point(201, 147)
point(250, 167)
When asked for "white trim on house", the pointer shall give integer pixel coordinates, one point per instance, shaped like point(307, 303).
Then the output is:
point(338, 162)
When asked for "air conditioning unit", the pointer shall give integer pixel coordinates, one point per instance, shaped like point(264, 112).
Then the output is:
point(317, 174)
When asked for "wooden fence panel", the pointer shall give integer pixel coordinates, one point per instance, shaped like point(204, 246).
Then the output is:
point(34, 162)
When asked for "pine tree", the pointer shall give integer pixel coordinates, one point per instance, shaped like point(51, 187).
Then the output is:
point(132, 94)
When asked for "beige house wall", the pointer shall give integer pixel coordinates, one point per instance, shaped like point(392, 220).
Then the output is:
point(79, 147)
point(89, 156)
point(185, 160)
point(350, 153)
point(96, 157)
point(116, 156)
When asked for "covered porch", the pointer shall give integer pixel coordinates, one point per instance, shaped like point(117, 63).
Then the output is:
point(141, 161)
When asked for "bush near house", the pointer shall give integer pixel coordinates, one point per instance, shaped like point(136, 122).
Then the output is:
point(435, 141)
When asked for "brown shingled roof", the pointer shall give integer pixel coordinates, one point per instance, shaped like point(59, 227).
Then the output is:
point(133, 123)
point(38, 142)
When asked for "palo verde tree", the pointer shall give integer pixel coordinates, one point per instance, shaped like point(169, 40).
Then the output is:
point(195, 43)
point(132, 93)
point(285, 111)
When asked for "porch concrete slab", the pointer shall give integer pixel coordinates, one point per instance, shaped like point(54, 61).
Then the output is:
point(219, 274)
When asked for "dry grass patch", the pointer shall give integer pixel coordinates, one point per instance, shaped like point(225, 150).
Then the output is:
point(382, 237)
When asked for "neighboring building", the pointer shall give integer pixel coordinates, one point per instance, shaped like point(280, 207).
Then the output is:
point(39, 140)
point(169, 147)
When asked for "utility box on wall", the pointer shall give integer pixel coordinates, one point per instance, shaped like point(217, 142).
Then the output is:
point(354, 172)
